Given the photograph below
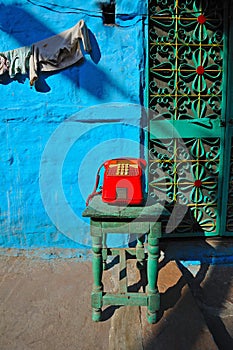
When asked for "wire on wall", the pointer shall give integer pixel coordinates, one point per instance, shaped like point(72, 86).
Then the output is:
point(65, 9)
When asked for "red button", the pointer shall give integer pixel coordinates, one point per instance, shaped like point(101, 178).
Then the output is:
point(197, 183)
point(201, 19)
point(200, 70)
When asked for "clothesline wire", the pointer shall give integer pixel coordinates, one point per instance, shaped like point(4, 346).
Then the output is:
point(84, 11)
point(50, 9)
point(75, 9)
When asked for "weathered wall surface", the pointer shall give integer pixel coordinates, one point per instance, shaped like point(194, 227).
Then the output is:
point(55, 134)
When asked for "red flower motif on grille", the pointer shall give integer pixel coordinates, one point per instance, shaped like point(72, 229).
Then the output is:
point(197, 183)
point(201, 19)
point(200, 70)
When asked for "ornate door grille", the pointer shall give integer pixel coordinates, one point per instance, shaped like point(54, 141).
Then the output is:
point(187, 84)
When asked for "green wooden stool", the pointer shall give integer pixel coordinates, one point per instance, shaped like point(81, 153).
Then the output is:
point(137, 220)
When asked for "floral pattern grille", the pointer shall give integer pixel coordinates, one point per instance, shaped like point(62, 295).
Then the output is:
point(186, 71)
point(187, 173)
point(186, 58)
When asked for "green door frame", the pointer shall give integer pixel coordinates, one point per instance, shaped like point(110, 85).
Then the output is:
point(198, 127)
point(226, 228)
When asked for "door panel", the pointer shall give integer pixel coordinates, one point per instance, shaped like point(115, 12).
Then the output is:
point(188, 45)
point(229, 214)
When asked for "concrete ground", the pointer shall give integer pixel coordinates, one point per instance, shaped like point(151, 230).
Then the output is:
point(45, 305)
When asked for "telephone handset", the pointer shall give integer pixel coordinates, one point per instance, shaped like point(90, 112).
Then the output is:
point(122, 182)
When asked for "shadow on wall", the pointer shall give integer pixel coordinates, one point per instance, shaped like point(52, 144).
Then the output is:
point(20, 20)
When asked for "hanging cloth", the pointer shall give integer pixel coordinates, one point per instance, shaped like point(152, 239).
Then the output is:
point(59, 51)
point(4, 64)
point(15, 61)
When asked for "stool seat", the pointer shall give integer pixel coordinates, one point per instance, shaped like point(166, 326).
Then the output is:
point(136, 220)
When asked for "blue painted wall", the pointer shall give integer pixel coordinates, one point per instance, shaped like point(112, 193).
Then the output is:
point(55, 134)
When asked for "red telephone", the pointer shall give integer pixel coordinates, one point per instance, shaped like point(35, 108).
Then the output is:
point(122, 182)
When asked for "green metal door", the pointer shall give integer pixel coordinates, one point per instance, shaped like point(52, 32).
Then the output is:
point(190, 129)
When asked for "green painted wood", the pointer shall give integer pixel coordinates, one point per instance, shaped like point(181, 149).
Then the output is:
point(152, 275)
point(156, 229)
point(190, 95)
point(193, 128)
point(131, 299)
point(97, 269)
point(100, 210)
point(227, 169)
point(129, 220)
point(153, 307)
point(96, 302)
point(96, 229)
point(125, 227)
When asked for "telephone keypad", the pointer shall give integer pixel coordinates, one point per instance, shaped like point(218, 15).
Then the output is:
point(123, 169)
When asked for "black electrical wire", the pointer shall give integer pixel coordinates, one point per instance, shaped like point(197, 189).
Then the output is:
point(77, 10)
point(98, 14)
point(80, 10)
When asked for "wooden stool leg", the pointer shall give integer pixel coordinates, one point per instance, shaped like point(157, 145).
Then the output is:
point(97, 268)
point(104, 252)
point(140, 253)
point(152, 274)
